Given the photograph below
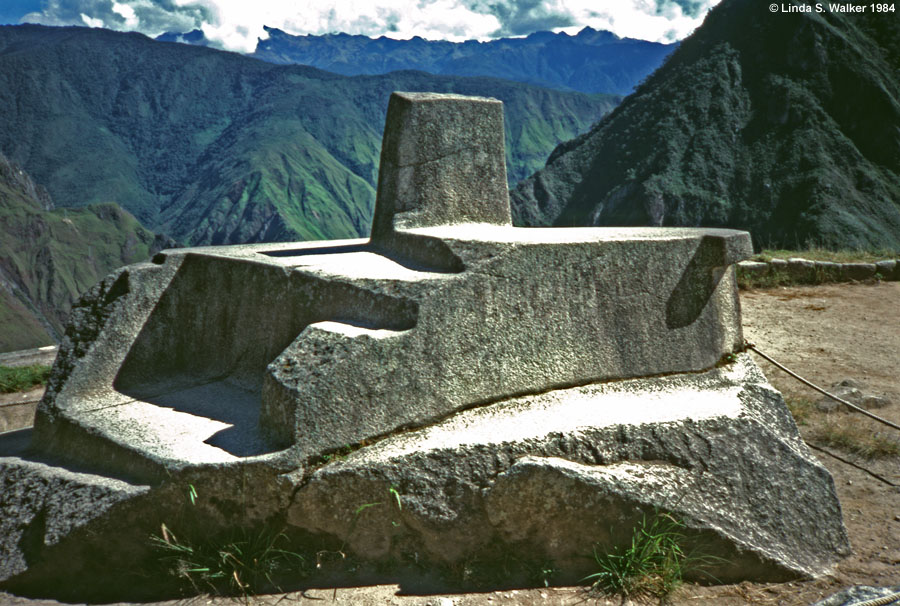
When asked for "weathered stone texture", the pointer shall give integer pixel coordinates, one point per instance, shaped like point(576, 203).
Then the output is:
point(802, 270)
point(553, 473)
point(289, 343)
point(829, 271)
point(755, 268)
point(42, 504)
point(886, 268)
point(442, 163)
point(857, 271)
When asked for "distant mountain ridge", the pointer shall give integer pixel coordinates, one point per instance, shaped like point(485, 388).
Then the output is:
point(787, 125)
point(49, 257)
point(196, 37)
point(213, 147)
point(591, 61)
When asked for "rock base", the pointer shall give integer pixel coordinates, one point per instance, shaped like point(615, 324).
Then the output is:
point(553, 475)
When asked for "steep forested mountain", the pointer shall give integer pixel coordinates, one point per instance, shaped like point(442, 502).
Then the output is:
point(786, 124)
point(48, 257)
point(214, 147)
point(591, 61)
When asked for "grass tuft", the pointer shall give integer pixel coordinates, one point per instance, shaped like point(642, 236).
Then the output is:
point(851, 435)
point(847, 432)
point(23, 378)
point(801, 409)
point(652, 566)
point(243, 561)
point(770, 279)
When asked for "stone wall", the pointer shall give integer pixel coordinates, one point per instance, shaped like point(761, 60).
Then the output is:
point(805, 271)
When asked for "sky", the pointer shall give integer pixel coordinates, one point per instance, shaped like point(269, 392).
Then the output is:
point(237, 24)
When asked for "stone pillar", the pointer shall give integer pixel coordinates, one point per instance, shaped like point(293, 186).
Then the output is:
point(442, 163)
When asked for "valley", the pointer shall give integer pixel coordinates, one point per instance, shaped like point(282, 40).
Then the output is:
point(211, 147)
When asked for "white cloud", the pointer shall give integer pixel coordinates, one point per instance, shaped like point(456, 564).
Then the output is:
point(127, 13)
point(90, 22)
point(660, 21)
point(239, 23)
point(236, 24)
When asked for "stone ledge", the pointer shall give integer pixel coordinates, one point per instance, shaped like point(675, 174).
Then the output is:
point(805, 271)
point(553, 473)
point(27, 357)
point(18, 414)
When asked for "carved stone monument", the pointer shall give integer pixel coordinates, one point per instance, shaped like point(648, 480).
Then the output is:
point(529, 388)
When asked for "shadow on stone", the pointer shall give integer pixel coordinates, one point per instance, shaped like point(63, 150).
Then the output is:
point(15, 443)
point(697, 284)
point(220, 401)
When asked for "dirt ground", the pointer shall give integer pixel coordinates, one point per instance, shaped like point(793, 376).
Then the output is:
point(825, 333)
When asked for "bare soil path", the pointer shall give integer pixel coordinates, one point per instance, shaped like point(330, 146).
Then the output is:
point(826, 333)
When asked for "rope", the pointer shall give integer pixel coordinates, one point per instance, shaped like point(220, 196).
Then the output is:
point(883, 601)
point(820, 390)
point(888, 599)
point(852, 464)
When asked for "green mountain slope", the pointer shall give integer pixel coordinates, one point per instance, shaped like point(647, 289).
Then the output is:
point(49, 257)
point(785, 124)
point(214, 147)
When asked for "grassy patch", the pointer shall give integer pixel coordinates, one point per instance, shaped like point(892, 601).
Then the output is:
point(23, 378)
point(801, 409)
point(847, 432)
point(652, 566)
point(238, 560)
point(770, 279)
point(241, 561)
point(855, 436)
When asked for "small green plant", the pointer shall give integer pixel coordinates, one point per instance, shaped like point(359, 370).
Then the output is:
point(239, 560)
point(396, 494)
point(340, 454)
point(23, 378)
point(652, 566)
point(729, 358)
point(393, 494)
point(326, 556)
point(545, 573)
point(242, 561)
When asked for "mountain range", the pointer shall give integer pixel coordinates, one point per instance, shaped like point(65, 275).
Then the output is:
point(786, 125)
point(591, 61)
point(48, 256)
point(212, 147)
